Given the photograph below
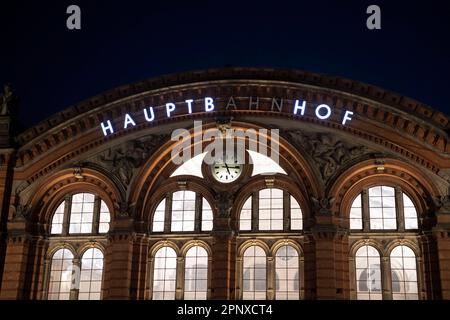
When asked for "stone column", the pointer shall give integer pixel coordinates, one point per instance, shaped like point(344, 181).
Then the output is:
point(442, 234)
point(119, 260)
point(16, 260)
point(223, 252)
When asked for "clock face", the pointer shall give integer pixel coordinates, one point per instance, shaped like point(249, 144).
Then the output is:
point(226, 172)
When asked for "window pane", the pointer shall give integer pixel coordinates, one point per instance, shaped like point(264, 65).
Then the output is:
point(61, 275)
point(368, 274)
point(410, 213)
point(164, 278)
point(196, 274)
point(183, 211)
point(58, 218)
point(356, 214)
point(245, 220)
point(91, 275)
point(254, 274)
point(82, 213)
point(296, 215)
point(404, 274)
point(286, 273)
point(105, 218)
point(382, 208)
point(271, 209)
point(207, 216)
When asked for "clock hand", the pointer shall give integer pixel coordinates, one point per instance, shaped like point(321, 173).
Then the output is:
point(228, 169)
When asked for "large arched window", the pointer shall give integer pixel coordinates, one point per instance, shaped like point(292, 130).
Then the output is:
point(196, 274)
point(254, 274)
point(186, 210)
point(404, 274)
point(383, 207)
point(82, 213)
point(368, 274)
point(274, 210)
point(60, 284)
point(91, 275)
point(287, 274)
point(165, 274)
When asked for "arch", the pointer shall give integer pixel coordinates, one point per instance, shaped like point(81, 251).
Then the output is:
point(59, 246)
point(161, 244)
point(195, 243)
point(52, 190)
point(253, 242)
point(395, 173)
point(368, 242)
point(404, 242)
point(159, 167)
point(286, 242)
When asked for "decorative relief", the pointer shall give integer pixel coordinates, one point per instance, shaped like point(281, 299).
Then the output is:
point(124, 209)
point(323, 206)
point(328, 152)
point(442, 204)
point(21, 212)
point(224, 203)
point(125, 159)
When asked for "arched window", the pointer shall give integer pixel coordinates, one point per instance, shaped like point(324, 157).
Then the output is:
point(404, 274)
point(60, 283)
point(286, 274)
point(254, 274)
point(383, 206)
point(186, 210)
point(196, 274)
point(82, 213)
point(368, 274)
point(91, 275)
point(274, 208)
point(165, 274)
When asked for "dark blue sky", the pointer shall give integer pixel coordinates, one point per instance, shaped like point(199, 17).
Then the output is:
point(127, 41)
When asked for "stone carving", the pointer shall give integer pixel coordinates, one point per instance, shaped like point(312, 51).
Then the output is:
point(224, 203)
point(8, 100)
point(442, 204)
point(323, 206)
point(124, 160)
point(328, 152)
point(21, 212)
point(124, 209)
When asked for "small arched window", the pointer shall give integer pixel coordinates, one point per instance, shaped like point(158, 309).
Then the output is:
point(60, 284)
point(91, 275)
point(186, 210)
point(196, 274)
point(82, 213)
point(404, 274)
point(275, 209)
point(368, 274)
point(383, 207)
point(165, 274)
point(286, 273)
point(254, 274)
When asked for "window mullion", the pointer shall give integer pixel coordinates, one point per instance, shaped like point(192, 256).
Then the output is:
point(168, 214)
point(255, 211)
point(96, 216)
point(400, 210)
point(286, 211)
point(67, 211)
point(198, 213)
point(365, 210)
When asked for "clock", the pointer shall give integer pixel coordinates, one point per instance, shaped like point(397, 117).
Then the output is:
point(226, 172)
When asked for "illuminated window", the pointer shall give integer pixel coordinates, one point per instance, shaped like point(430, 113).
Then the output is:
point(246, 216)
point(60, 283)
point(187, 211)
point(270, 208)
point(207, 216)
point(165, 274)
point(87, 214)
point(254, 274)
point(404, 274)
point(380, 206)
point(196, 274)
point(410, 213)
point(58, 220)
point(287, 270)
point(91, 275)
point(356, 214)
point(368, 274)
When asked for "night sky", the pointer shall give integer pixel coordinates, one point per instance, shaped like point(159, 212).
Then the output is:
point(122, 42)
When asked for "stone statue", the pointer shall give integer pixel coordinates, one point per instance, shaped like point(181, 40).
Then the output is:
point(7, 100)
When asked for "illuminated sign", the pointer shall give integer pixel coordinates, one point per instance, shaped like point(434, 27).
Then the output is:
point(208, 104)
